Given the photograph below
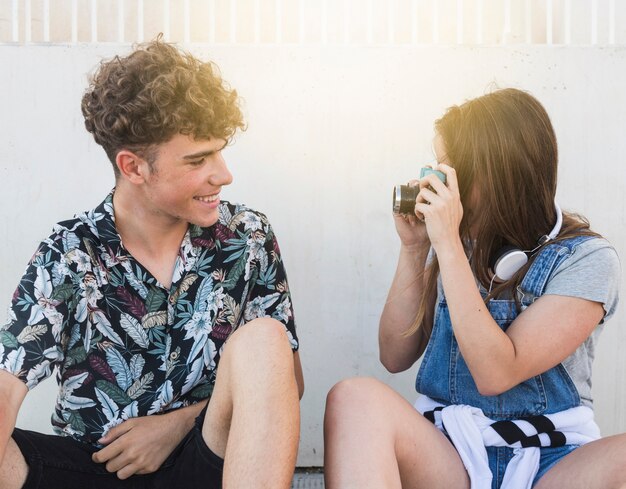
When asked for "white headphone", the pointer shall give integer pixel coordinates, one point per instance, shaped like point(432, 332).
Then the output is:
point(509, 259)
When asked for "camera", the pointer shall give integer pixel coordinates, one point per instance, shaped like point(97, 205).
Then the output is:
point(404, 195)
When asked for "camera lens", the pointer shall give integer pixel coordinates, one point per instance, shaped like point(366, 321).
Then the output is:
point(404, 199)
point(404, 195)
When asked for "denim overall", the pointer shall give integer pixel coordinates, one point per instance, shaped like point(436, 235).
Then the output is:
point(445, 377)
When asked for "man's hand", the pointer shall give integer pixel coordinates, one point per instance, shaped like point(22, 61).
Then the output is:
point(141, 445)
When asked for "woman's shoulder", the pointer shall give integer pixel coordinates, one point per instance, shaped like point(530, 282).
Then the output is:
point(589, 251)
point(590, 271)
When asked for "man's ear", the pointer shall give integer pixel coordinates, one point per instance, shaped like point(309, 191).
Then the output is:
point(132, 167)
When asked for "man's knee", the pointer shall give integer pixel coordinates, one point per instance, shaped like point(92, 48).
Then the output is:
point(258, 353)
point(265, 336)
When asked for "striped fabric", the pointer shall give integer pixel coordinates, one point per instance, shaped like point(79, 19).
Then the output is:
point(471, 431)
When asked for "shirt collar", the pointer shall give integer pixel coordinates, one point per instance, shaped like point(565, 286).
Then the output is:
point(103, 217)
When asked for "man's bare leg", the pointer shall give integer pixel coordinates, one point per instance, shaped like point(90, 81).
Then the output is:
point(253, 417)
point(14, 469)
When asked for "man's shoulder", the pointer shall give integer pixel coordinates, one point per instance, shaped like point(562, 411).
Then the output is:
point(240, 217)
point(71, 234)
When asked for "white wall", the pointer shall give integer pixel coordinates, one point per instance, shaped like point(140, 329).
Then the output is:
point(322, 21)
point(331, 130)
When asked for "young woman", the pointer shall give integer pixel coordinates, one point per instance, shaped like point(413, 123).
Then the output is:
point(507, 347)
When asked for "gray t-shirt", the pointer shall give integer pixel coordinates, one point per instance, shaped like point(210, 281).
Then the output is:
point(591, 272)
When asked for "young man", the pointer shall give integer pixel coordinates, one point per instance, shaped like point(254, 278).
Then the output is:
point(138, 301)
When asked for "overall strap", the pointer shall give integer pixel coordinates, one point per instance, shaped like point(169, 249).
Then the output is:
point(546, 262)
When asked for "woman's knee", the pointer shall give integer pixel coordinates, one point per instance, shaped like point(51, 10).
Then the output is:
point(354, 393)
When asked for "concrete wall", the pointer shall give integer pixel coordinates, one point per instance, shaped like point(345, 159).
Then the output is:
point(331, 130)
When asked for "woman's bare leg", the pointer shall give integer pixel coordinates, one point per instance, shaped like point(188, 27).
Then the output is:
point(597, 465)
point(374, 438)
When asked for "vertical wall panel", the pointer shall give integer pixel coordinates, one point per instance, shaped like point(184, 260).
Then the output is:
point(302, 22)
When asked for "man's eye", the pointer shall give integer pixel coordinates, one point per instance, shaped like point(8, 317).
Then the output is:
point(197, 162)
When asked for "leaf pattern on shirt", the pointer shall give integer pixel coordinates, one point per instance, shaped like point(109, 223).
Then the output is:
point(126, 346)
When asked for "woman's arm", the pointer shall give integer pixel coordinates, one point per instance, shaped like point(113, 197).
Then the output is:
point(398, 352)
point(542, 336)
point(545, 334)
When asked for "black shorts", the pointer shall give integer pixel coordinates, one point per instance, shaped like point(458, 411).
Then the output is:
point(59, 462)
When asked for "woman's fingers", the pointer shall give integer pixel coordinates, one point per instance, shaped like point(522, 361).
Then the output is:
point(435, 183)
point(451, 179)
point(427, 196)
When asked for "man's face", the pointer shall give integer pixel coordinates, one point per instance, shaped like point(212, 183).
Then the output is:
point(185, 180)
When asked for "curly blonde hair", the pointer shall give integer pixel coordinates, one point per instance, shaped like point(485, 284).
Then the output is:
point(146, 98)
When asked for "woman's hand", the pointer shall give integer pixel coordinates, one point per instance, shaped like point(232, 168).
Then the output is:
point(439, 205)
point(411, 230)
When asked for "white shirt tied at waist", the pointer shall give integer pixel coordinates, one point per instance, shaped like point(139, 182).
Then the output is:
point(470, 431)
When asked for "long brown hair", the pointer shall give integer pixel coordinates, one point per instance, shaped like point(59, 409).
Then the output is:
point(503, 146)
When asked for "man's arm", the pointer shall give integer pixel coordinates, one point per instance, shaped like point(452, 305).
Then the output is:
point(141, 445)
point(298, 371)
point(12, 393)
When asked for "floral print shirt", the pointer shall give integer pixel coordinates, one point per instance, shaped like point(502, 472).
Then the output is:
point(126, 346)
